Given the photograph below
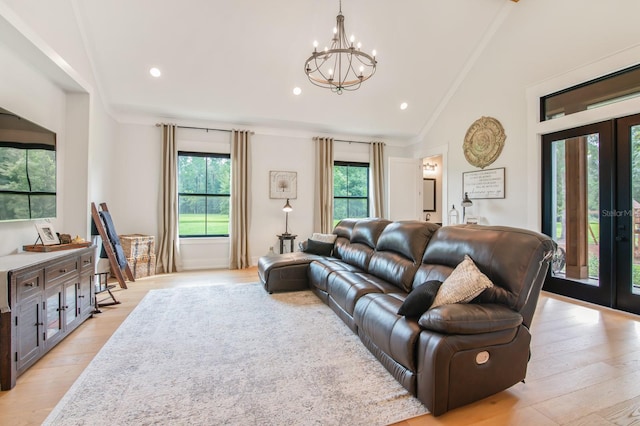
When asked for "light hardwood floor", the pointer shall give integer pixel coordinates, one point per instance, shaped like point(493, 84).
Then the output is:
point(582, 370)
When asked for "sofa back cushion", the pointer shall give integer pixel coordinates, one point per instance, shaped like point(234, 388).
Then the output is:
point(363, 242)
point(399, 251)
point(343, 231)
point(512, 259)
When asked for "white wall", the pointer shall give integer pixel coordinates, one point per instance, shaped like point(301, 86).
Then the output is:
point(498, 84)
point(40, 84)
point(24, 91)
point(134, 200)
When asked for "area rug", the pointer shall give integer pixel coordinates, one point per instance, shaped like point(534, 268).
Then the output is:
point(234, 355)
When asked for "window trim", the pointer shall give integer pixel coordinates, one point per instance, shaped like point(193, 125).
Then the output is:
point(204, 195)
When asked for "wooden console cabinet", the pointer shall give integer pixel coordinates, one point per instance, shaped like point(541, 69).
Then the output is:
point(50, 294)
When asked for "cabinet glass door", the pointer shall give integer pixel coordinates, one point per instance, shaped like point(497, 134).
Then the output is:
point(71, 305)
point(54, 315)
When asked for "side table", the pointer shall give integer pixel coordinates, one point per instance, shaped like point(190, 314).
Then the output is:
point(286, 237)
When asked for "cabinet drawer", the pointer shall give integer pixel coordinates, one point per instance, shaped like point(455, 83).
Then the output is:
point(86, 261)
point(61, 270)
point(28, 283)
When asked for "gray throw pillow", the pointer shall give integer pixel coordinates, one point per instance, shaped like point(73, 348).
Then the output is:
point(319, 248)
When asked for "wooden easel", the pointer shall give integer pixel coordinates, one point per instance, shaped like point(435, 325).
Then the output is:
point(108, 246)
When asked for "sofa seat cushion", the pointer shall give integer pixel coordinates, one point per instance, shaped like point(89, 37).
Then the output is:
point(345, 288)
point(395, 335)
point(470, 319)
point(322, 268)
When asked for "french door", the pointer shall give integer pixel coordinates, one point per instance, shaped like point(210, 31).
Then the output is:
point(591, 208)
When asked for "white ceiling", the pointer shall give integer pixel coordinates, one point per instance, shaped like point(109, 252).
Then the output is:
point(238, 61)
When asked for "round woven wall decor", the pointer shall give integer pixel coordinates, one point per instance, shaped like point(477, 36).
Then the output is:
point(483, 142)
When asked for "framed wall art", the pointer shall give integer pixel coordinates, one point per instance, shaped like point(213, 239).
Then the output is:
point(283, 185)
point(484, 183)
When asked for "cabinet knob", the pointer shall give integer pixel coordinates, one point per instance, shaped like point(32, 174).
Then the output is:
point(62, 271)
point(86, 262)
point(38, 323)
point(80, 296)
point(28, 284)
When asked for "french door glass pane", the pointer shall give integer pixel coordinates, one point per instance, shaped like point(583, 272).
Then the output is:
point(576, 208)
point(635, 202)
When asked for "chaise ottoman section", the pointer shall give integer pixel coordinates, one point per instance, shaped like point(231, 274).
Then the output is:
point(285, 272)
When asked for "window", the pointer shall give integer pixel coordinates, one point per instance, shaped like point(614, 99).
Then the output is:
point(616, 87)
point(350, 190)
point(204, 182)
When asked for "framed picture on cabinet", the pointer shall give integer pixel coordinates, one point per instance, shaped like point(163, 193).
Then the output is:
point(47, 234)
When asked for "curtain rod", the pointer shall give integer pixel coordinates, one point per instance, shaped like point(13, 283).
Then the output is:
point(202, 128)
point(345, 141)
point(366, 143)
point(340, 140)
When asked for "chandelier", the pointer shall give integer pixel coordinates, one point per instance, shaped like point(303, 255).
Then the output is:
point(343, 66)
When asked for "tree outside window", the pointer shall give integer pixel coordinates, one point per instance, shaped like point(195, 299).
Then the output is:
point(204, 188)
point(350, 190)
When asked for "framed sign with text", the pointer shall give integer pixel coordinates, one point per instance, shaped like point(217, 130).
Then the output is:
point(484, 183)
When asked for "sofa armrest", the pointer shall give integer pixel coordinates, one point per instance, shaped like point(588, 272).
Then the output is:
point(469, 318)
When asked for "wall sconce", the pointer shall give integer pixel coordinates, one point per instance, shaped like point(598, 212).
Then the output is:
point(428, 167)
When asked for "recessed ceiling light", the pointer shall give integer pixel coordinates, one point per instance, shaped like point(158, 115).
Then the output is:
point(297, 91)
point(403, 106)
point(155, 72)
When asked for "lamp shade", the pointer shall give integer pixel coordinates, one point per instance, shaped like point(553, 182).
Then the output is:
point(287, 207)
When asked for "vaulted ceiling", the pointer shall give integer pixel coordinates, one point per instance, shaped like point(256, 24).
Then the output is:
point(238, 61)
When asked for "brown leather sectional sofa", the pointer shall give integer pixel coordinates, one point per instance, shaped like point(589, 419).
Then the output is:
point(453, 354)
